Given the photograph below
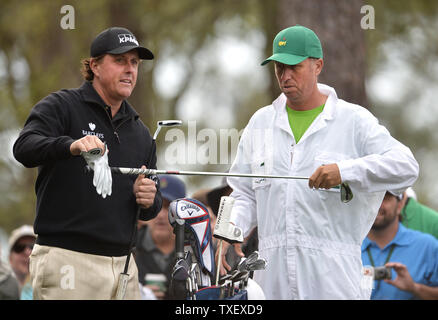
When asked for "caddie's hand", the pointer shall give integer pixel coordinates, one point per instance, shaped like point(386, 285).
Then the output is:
point(144, 190)
point(224, 264)
point(325, 177)
point(85, 144)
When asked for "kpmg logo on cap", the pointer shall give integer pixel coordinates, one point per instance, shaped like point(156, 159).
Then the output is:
point(127, 38)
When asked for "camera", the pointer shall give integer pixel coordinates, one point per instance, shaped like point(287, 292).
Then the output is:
point(381, 273)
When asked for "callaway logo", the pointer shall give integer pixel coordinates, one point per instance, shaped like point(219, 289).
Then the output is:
point(190, 206)
point(127, 38)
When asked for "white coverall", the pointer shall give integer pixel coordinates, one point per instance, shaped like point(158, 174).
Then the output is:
point(311, 240)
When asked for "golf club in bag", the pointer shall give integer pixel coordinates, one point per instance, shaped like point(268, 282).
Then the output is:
point(193, 273)
point(237, 285)
point(194, 268)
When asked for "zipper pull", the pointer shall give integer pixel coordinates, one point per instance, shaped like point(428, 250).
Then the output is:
point(117, 136)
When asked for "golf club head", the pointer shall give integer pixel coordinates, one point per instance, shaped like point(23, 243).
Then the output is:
point(244, 261)
point(240, 276)
point(259, 264)
point(181, 270)
point(224, 278)
point(169, 123)
point(166, 123)
point(346, 193)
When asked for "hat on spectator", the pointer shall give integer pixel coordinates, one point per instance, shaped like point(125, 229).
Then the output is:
point(398, 195)
point(172, 188)
point(17, 234)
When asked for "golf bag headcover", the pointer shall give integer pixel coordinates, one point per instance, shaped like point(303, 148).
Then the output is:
point(196, 222)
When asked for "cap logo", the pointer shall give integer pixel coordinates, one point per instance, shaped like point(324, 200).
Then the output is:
point(281, 43)
point(127, 38)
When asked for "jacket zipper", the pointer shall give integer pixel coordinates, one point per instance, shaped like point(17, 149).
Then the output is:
point(112, 125)
point(115, 129)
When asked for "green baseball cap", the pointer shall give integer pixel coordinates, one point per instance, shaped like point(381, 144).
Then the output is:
point(294, 45)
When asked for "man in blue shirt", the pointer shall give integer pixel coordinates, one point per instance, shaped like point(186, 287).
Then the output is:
point(411, 255)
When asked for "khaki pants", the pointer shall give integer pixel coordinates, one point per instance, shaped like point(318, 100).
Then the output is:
point(61, 274)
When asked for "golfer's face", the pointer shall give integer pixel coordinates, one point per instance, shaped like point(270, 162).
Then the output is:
point(118, 74)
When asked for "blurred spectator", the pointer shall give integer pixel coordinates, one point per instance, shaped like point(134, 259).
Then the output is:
point(9, 289)
point(21, 244)
point(155, 249)
point(411, 255)
point(417, 216)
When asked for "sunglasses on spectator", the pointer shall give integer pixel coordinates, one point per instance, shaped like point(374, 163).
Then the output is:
point(19, 248)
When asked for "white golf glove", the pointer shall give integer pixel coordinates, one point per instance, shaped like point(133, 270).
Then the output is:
point(102, 178)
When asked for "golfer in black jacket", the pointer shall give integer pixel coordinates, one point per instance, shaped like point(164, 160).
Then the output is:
point(83, 238)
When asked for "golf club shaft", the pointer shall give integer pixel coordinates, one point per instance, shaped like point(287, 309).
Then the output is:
point(219, 263)
point(137, 171)
point(346, 193)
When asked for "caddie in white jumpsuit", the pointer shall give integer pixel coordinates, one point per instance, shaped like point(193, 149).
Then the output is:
point(312, 240)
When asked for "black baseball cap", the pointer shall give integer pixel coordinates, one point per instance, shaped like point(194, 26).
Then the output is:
point(118, 40)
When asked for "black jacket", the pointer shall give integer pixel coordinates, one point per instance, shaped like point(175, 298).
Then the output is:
point(70, 214)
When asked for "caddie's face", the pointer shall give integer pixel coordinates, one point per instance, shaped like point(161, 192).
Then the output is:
point(117, 74)
point(298, 82)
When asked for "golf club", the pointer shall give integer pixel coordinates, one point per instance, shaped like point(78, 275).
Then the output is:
point(345, 190)
point(166, 123)
point(124, 276)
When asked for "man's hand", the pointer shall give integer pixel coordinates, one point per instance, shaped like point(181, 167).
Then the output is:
point(86, 144)
point(403, 281)
point(224, 264)
point(144, 190)
point(325, 177)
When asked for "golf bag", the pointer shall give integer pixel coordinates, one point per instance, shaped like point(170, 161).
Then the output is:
point(194, 270)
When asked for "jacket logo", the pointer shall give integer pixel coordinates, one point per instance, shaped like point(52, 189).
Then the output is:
point(92, 127)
